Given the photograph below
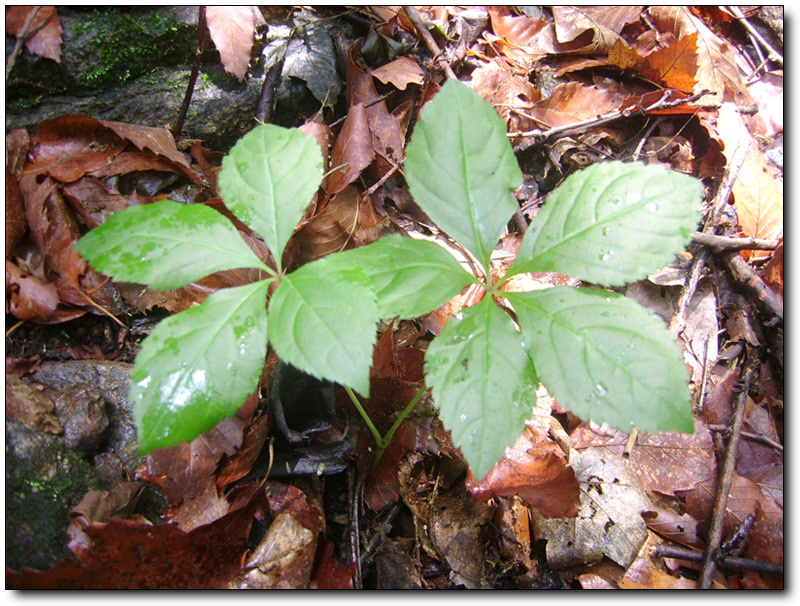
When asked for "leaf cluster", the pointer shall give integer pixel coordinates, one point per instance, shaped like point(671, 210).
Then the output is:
point(601, 355)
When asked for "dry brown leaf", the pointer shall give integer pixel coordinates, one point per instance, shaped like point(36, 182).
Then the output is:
point(534, 469)
point(604, 22)
point(507, 91)
point(43, 36)
point(773, 271)
point(609, 522)
point(233, 30)
point(758, 197)
point(674, 66)
point(573, 102)
point(664, 462)
point(352, 152)
point(400, 73)
point(717, 69)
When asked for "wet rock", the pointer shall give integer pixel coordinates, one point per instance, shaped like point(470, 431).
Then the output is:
point(111, 380)
point(28, 405)
point(44, 481)
point(81, 408)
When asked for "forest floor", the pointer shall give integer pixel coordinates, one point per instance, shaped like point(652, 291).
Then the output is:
point(572, 504)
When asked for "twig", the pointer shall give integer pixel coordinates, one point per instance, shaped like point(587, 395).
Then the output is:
point(726, 476)
point(355, 539)
point(721, 243)
point(713, 221)
point(187, 98)
point(773, 54)
point(681, 553)
point(416, 19)
point(12, 58)
point(750, 436)
point(540, 136)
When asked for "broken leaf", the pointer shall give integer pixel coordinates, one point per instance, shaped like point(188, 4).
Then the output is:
point(610, 519)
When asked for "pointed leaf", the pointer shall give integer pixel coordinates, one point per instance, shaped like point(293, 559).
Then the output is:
point(268, 180)
point(606, 357)
point(323, 320)
point(199, 366)
point(166, 245)
point(461, 169)
point(410, 277)
point(612, 223)
point(483, 383)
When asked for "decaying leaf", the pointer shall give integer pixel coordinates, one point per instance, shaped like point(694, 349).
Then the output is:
point(609, 522)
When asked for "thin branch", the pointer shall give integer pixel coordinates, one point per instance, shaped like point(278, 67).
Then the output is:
point(12, 58)
point(681, 553)
point(726, 476)
point(540, 136)
point(721, 243)
point(416, 19)
point(773, 54)
point(187, 98)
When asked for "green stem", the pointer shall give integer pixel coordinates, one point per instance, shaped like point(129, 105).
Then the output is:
point(406, 411)
point(375, 433)
point(383, 442)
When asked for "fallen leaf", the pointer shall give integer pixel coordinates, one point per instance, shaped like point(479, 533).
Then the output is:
point(609, 522)
point(773, 270)
point(400, 73)
point(125, 554)
point(43, 36)
point(233, 30)
point(717, 69)
point(534, 469)
point(664, 462)
point(352, 152)
point(604, 22)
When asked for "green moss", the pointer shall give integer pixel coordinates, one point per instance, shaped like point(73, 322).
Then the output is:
point(127, 44)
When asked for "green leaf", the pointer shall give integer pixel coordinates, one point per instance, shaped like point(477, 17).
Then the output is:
point(612, 223)
point(461, 169)
point(483, 383)
point(410, 277)
point(268, 180)
point(322, 320)
point(606, 357)
point(198, 367)
point(166, 245)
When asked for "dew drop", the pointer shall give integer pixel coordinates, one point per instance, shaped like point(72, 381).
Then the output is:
point(601, 390)
point(463, 418)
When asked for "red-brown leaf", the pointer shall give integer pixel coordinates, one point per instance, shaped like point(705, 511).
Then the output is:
point(233, 30)
point(43, 36)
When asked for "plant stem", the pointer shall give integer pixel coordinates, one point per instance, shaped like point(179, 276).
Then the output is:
point(383, 441)
point(375, 433)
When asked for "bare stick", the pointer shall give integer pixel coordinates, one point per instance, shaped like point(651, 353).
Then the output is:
point(416, 19)
point(187, 99)
point(20, 39)
point(682, 553)
point(721, 243)
point(726, 477)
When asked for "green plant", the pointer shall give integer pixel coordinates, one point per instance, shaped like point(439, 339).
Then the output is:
point(599, 353)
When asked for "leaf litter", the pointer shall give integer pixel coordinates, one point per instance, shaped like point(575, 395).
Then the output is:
point(571, 504)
